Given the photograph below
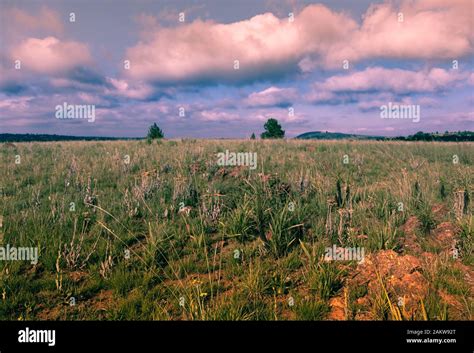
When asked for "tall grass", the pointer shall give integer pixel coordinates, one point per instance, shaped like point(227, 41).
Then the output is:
point(131, 240)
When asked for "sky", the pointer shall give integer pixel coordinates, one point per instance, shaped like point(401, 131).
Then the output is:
point(221, 68)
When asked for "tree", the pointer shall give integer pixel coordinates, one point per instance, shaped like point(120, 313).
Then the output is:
point(154, 132)
point(272, 130)
point(253, 136)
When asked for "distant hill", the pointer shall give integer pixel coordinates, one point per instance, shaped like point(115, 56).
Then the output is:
point(45, 138)
point(319, 135)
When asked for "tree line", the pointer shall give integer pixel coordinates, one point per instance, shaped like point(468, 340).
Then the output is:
point(447, 136)
point(272, 130)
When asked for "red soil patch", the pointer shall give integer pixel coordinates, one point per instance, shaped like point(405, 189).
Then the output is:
point(52, 314)
point(439, 211)
point(103, 301)
point(338, 309)
point(451, 300)
point(77, 276)
point(410, 241)
point(468, 274)
point(444, 236)
point(400, 275)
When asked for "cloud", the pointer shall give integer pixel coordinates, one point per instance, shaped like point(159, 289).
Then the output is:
point(267, 46)
point(379, 79)
point(10, 82)
point(430, 29)
point(191, 65)
point(49, 63)
point(282, 115)
point(217, 116)
point(51, 55)
point(264, 45)
point(21, 23)
point(463, 120)
point(271, 97)
point(122, 88)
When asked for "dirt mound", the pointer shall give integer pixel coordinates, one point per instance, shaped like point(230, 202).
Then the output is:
point(398, 275)
point(99, 305)
point(104, 301)
point(439, 211)
point(77, 276)
point(451, 300)
point(338, 309)
point(410, 241)
point(468, 274)
point(51, 314)
point(444, 236)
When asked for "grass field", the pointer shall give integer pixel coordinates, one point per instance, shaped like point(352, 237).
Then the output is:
point(128, 230)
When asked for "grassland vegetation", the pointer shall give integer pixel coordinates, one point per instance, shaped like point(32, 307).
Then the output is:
point(130, 230)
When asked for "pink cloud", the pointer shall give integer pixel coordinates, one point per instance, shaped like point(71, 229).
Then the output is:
point(282, 115)
point(266, 45)
point(466, 118)
point(213, 115)
point(126, 89)
point(262, 44)
point(430, 29)
point(20, 103)
point(20, 22)
point(271, 97)
point(388, 80)
point(318, 95)
point(51, 55)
